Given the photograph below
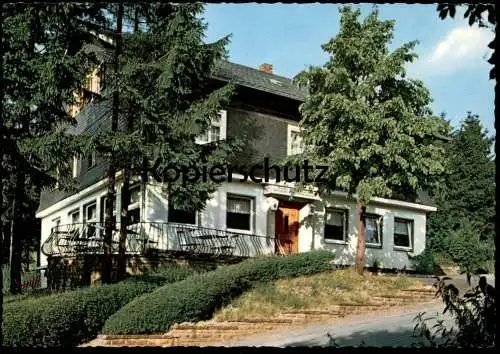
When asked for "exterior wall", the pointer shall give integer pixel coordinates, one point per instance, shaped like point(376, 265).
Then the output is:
point(312, 232)
point(63, 208)
point(311, 218)
point(260, 133)
point(214, 215)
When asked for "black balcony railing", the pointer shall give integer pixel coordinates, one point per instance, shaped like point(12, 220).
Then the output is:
point(88, 238)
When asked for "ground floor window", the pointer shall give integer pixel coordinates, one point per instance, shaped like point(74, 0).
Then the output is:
point(335, 225)
point(104, 205)
point(90, 218)
point(403, 233)
point(74, 216)
point(134, 208)
point(181, 216)
point(239, 213)
point(56, 223)
point(373, 230)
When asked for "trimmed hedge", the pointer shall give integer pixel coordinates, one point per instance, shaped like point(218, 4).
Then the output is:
point(198, 297)
point(74, 317)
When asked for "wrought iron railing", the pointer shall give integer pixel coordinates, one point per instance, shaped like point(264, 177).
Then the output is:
point(88, 238)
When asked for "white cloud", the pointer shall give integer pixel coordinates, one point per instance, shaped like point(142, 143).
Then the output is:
point(462, 47)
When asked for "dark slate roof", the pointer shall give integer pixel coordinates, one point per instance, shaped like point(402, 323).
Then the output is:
point(258, 80)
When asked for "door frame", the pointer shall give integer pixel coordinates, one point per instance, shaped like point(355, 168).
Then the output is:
point(287, 205)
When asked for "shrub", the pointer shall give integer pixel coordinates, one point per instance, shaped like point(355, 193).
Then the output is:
point(198, 297)
point(425, 263)
point(71, 318)
point(474, 315)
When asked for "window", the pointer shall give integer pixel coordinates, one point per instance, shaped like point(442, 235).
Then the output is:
point(75, 166)
point(335, 225)
point(104, 203)
point(373, 230)
point(294, 140)
point(239, 213)
point(403, 233)
point(74, 216)
point(91, 160)
point(181, 216)
point(56, 222)
point(134, 208)
point(93, 83)
point(216, 131)
point(90, 218)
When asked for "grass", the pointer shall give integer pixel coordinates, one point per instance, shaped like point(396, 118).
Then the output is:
point(316, 292)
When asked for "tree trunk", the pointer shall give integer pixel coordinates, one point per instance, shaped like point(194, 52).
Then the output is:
point(125, 201)
point(1, 182)
point(109, 221)
point(15, 236)
point(360, 251)
point(125, 194)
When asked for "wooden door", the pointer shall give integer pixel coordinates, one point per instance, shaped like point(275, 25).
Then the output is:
point(287, 229)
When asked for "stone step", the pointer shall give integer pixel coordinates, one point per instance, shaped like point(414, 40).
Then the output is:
point(396, 300)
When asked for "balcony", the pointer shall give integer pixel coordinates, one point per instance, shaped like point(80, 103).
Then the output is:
point(144, 237)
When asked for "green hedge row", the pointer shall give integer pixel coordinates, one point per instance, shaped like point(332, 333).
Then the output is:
point(198, 297)
point(74, 317)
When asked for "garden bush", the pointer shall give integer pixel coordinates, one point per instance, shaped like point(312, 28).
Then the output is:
point(74, 317)
point(198, 297)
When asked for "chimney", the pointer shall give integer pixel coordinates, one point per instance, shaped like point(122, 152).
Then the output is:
point(268, 68)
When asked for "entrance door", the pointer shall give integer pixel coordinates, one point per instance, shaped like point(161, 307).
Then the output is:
point(287, 228)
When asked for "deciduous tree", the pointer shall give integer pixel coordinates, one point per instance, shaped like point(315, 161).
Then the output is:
point(364, 119)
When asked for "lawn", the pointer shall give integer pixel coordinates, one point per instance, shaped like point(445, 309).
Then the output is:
point(313, 292)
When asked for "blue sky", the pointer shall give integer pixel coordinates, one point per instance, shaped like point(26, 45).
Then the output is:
point(452, 55)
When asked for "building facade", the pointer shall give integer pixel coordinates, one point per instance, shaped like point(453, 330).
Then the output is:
point(245, 218)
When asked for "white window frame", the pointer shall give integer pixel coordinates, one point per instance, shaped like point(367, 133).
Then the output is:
point(71, 213)
point(380, 227)
point(221, 124)
point(103, 211)
point(292, 129)
point(252, 213)
point(93, 222)
point(85, 213)
point(55, 223)
point(410, 236)
point(75, 166)
point(345, 215)
point(93, 160)
point(137, 204)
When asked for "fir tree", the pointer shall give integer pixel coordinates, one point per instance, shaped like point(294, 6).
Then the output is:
point(467, 195)
point(166, 99)
point(42, 69)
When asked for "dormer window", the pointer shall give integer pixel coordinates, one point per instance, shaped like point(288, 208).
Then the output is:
point(91, 160)
point(74, 166)
point(294, 140)
point(215, 132)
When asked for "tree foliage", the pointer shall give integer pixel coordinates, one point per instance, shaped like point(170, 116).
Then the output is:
point(474, 316)
point(42, 68)
point(364, 119)
point(162, 91)
point(466, 196)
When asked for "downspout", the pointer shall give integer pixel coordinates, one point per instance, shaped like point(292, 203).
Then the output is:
point(312, 209)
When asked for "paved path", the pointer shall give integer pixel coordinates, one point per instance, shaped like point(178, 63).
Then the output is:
point(388, 329)
point(393, 328)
